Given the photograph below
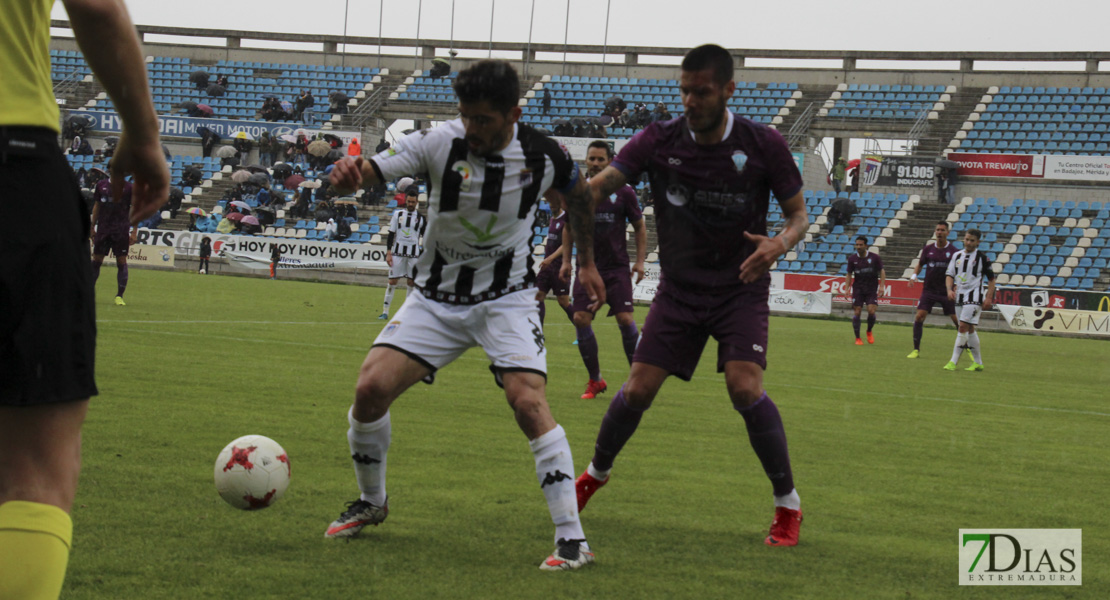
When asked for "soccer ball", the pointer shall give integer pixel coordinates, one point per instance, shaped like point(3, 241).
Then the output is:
point(252, 472)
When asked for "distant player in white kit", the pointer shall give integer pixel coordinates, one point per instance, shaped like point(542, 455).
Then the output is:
point(966, 271)
point(406, 229)
point(474, 287)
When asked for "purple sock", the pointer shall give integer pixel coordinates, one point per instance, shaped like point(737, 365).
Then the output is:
point(618, 425)
point(587, 347)
point(870, 322)
point(96, 270)
point(543, 311)
point(629, 335)
point(121, 280)
point(855, 325)
point(768, 439)
point(918, 328)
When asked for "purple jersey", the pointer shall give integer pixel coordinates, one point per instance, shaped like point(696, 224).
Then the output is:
point(934, 261)
point(865, 272)
point(610, 220)
point(555, 238)
point(113, 218)
point(707, 196)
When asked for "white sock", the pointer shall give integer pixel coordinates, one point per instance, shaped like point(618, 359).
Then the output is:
point(973, 343)
point(388, 298)
point(596, 473)
point(791, 500)
point(555, 472)
point(369, 443)
point(961, 341)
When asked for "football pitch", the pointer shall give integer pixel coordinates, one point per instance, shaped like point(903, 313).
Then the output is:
point(891, 458)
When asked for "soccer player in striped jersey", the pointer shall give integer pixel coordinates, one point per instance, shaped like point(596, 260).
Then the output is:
point(406, 228)
point(474, 287)
point(964, 282)
point(867, 280)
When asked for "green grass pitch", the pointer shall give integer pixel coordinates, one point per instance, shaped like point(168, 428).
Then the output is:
point(891, 458)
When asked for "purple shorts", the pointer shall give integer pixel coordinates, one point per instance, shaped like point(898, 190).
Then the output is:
point(929, 299)
point(118, 243)
point(548, 280)
point(862, 297)
point(680, 323)
point(618, 293)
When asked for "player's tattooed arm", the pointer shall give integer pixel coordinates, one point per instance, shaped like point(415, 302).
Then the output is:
point(580, 220)
point(796, 221)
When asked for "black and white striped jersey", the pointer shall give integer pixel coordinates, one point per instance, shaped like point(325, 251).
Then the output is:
point(405, 229)
point(478, 241)
point(969, 271)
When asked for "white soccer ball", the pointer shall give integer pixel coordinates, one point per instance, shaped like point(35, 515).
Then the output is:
point(252, 472)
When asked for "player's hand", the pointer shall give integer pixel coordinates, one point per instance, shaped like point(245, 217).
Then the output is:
point(952, 295)
point(547, 261)
point(144, 161)
point(882, 292)
point(987, 304)
point(591, 281)
point(134, 236)
point(564, 272)
point(638, 271)
point(346, 177)
point(389, 258)
point(913, 278)
point(766, 252)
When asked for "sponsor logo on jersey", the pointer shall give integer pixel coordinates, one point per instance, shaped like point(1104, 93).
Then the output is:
point(463, 168)
point(740, 160)
point(525, 177)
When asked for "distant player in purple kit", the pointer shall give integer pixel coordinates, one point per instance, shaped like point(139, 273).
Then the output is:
point(934, 259)
point(547, 280)
point(867, 280)
point(111, 222)
point(712, 174)
point(611, 257)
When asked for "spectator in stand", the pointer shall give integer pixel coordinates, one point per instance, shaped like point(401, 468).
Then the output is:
point(546, 100)
point(223, 80)
point(839, 171)
point(354, 148)
point(205, 252)
point(402, 186)
point(272, 110)
point(266, 145)
point(330, 230)
point(382, 146)
point(343, 229)
point(304, 102)
point(660, 113)
point(80, 147)
point(225, 226)
point(243, 148)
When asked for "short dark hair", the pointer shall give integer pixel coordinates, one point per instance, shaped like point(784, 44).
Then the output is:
point(710, 56)
point(861, 238)
point(412, 191)
point(603, 145)
point(493, 81)
point(975, 232)
point(945, 223)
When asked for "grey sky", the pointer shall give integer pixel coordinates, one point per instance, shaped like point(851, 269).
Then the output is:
point(1030, 25)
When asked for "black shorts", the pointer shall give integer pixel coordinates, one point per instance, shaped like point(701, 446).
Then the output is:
point(47, 313)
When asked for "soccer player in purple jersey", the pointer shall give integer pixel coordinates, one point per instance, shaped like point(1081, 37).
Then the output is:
point(611, 217)
point(712, 174)
point(111, 222)
point(548, 280)
point(934, 259)
point(867, 280)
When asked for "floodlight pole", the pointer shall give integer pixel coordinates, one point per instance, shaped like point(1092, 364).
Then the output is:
point(492, 8)
point(416, 56)
point(346, 12)
point(528, 52)
point(381, 9)
point(605, 48)
point(566, 30)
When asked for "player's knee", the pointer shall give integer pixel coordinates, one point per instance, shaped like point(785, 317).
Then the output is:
point(744, 395)
point(625, 319)
point(583, 319)
point(564, 301)
point(638, 395)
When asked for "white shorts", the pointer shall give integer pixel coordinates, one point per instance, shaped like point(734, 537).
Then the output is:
point(434, 333)
point(969, 313)
point(403, 266)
